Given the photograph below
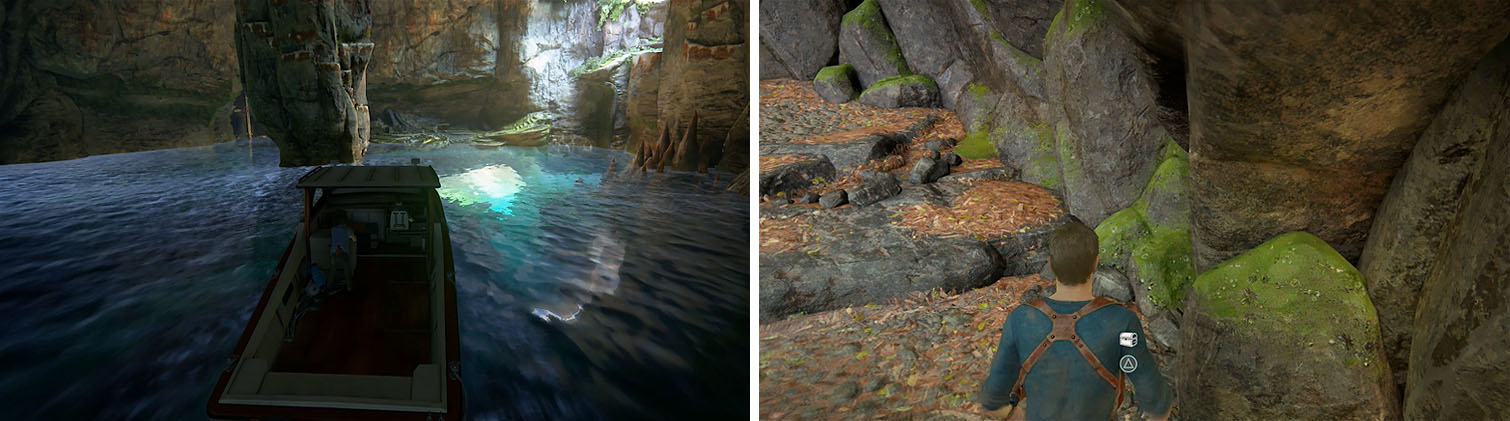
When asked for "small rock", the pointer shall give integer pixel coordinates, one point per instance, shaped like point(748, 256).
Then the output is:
point(810, 197)
point(933, 155)
point(834, 199)
point(1032, 294)
point(1110, 283)
point(953, 159)
point(956, 318)
point(1163, 330)
point(907, 354)
point(933, 145)
point(927, 170)
point(950, 142)
point(876, 186)
point(845, 392)
point(1048, 272)
point(875, 384)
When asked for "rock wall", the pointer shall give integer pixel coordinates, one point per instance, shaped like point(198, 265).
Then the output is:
point(705, 70)
point(1451, 239)
point(1311, 142)
point(1414, 218)
point(94, 77)
point(304, 67)
point(795, 37)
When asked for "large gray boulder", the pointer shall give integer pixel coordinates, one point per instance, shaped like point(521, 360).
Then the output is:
point(1283, 331)
point(902, 91)
point(798, 37)
point(1462, 327)
point(1103, 109)
point(866, 42)
point(925, 32)
point(1413, 220)
point(1311, 142)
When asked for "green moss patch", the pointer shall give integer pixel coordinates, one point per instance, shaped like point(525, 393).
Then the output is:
point(1159, 252)
point(839, 73)
point(868, 16)
point(1082, 14)
point(1293, 283)
point(610, 59)
point(906, 79)
point(976, 144)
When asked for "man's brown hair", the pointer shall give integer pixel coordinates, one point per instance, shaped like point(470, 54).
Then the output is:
point(1072, 252)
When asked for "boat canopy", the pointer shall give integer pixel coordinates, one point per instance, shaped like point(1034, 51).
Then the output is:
point(380, 176)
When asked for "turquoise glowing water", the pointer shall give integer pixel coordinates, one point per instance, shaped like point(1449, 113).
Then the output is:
point(128, 278)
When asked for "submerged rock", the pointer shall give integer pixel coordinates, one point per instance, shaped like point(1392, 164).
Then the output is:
point(1283, 331)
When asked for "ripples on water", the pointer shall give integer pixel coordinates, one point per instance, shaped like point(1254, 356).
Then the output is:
point(127, 279)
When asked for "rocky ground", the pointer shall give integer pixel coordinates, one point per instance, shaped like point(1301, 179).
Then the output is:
point(862, 204)
point(919, 356)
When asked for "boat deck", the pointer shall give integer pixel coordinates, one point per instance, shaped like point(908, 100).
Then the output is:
point(382, 328)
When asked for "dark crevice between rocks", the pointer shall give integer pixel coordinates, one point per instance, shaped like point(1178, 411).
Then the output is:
point(1174, 105)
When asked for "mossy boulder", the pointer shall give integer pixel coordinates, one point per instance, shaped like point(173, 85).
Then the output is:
point(1283, 331)
point(1102, 95)
point(1150, 241)
point(902, 91)
point(866, 42)
point(836, 84)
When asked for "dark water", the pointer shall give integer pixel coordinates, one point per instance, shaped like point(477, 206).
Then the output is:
point(125, 281)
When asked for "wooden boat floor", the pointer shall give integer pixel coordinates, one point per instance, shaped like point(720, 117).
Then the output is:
point(382, 328)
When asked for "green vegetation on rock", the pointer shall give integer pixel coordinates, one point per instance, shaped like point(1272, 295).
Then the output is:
point(1082, 14)
point(976, 144)
point(1294, 283)
point(904, 79)
point(837, 72)
point(868, 16)
point(1153, 250)
point(612, 10)
point(610, 59)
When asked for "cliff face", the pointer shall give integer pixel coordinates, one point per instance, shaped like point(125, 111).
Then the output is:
point(304, 67)
point(94, 77)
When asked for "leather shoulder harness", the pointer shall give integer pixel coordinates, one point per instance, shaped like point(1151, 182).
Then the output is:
point(1064, 330)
